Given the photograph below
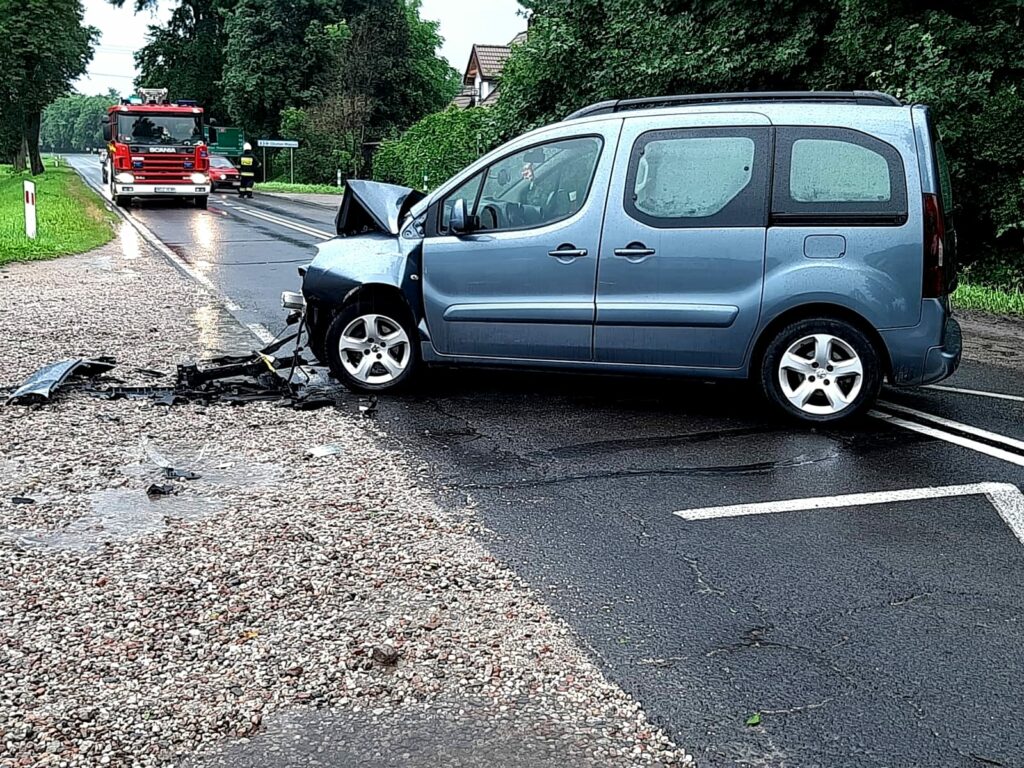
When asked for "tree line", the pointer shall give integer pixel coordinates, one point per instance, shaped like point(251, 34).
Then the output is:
point(335, 74)
point(965, 60)
point(45, 47)
point(73, 123)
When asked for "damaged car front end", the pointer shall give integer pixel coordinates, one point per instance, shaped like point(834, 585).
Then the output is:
point(360, 300)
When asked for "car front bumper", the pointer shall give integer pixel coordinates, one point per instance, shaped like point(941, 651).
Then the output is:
point(161, 190)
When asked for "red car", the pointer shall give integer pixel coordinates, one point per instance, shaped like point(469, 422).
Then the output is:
point(223, 173)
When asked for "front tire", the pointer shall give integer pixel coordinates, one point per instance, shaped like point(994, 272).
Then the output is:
point(123, 201)
point(372, 347)
point(200, 201)
point(821, 370)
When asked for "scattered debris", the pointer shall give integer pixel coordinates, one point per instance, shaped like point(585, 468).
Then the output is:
point(43, 383)
point(754, 719)
point(234, 380)
point(368, 407)
point(22, 500)
point(157, 489)
point(321, 451)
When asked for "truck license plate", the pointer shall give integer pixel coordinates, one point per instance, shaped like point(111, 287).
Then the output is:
point(164, 189)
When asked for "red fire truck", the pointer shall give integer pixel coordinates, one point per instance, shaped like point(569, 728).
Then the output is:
point(155, 148)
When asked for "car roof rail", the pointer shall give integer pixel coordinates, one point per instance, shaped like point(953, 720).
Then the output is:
point(867, 98)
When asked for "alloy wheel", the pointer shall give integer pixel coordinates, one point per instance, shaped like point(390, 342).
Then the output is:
point(821, 374)
point(374, 349)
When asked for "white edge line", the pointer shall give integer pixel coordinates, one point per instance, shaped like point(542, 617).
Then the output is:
point(260, 331)
point(964, 442)
point(1006, 498)
point(303, 228)
point(944, 422)
point(978, 392)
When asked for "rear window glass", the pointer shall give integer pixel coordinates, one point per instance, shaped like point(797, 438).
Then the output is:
point(828, 171)
point(699, 177)
point(837, 175)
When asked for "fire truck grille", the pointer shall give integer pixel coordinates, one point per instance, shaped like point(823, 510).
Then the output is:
point(163, 168)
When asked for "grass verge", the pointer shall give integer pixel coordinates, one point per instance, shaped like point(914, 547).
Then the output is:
point(992, 300)
point(70, 217)
point(301, 189)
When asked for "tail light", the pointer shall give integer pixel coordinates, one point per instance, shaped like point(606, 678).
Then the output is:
point(935, 283)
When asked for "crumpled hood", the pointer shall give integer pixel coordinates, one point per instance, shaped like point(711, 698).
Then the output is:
point(370, 206)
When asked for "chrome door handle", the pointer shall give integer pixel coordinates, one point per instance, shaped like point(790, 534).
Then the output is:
point(634, 251)
point(567, 253)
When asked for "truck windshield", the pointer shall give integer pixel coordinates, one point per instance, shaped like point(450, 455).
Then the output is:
point(160, 129)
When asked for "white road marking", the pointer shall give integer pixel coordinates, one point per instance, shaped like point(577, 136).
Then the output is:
point(964, 442)
point(261, 332)
point(978, 392)
point(303, 228)
point(944, 422)
point(1006, 498)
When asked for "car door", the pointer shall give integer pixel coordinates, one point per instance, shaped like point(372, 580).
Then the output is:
point(682, 258)
point(521, 284)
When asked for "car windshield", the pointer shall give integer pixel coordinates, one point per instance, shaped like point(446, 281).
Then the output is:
point(160, 129)
point(217, 161)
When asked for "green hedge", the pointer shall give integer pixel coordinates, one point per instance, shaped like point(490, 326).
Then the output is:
point(436, 148)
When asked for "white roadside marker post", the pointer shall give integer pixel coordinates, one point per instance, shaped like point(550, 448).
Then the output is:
point(30, 210)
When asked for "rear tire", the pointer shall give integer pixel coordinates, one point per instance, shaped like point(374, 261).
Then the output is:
point(821, 370)
point(372, 346)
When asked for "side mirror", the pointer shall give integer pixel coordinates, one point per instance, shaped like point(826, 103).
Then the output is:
point(459, 221)
point(107, 130)
point(211, 122)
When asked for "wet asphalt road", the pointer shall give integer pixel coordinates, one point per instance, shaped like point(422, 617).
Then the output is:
point(868, 634)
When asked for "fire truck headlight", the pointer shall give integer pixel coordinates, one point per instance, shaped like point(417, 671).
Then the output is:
point(124, 178)
point(199, 178)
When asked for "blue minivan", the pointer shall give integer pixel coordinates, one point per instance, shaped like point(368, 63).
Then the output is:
point(804, 240)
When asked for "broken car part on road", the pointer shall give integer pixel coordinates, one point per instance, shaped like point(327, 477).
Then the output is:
point(235, 380)
point(41, 385)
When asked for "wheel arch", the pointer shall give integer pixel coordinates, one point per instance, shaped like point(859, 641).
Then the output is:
point(825, 310)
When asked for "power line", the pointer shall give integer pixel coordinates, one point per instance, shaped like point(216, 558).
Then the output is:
point(109, 74)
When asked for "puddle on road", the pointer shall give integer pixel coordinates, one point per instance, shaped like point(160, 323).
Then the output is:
point(127, 514)
point(469, 732)
point(120, 514)
point(210, 467)
point(219, 333)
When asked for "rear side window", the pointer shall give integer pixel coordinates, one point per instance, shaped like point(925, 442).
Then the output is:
point(837, 175)
point(699, 177)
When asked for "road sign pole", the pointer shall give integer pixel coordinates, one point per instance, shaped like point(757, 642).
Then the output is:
point(30, 210)
point(264, 165)
point(291, 164)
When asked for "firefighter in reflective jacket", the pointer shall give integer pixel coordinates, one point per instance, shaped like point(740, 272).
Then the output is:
point(247, 168)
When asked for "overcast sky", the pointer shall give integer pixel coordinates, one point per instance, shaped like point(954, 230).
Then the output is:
point(463, 23)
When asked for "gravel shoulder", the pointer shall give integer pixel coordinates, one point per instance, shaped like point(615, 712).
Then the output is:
point(992, 339)
point(278, 606)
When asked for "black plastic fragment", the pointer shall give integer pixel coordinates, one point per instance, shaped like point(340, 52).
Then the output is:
point(229, 379)
point(161, 489)
point(41, 385)
point(22, 500)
